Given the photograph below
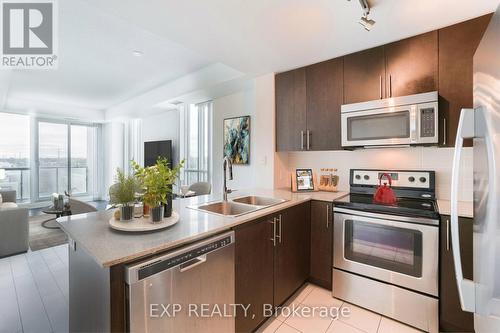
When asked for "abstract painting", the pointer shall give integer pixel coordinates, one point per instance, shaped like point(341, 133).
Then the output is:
point(237, 139)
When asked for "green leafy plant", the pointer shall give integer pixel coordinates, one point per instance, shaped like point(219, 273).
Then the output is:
point(124, 190)
point(156, 181)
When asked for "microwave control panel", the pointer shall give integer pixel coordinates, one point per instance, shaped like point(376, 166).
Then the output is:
point(427, 122)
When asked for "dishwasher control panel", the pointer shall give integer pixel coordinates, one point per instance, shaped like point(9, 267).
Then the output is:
point(162, 264)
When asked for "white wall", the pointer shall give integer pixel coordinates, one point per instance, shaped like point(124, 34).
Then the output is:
point(419, 158)
point(238, 104)
point(113, 137)
point(163, 126)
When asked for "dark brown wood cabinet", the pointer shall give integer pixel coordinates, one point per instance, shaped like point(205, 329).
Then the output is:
point(457, 45)
point(324, 93)
point(268, 272)
point(254, 260)
point(321, 244)
point(290, 91)
point(451, 316)
point(412, 65)
point(364, 75)
point(291, 256)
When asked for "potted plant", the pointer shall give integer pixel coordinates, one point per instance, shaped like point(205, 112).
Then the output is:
point(123, 193)
point(156, 182)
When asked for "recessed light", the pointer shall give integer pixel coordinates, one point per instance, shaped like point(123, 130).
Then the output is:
point(137, 53)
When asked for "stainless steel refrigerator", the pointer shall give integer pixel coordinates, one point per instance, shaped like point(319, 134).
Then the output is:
point(482, 295)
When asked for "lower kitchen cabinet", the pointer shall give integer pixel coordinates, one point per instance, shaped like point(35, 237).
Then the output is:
point(321, 244)
point(272, 262)
point(451, 316)
point(254, 260)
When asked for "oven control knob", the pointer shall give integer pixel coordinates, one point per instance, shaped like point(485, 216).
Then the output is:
point(367, 177)
point(358, 177)
point(423, 179)
point(411, 179)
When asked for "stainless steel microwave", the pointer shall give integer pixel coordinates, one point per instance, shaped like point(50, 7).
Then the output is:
point(398, 121)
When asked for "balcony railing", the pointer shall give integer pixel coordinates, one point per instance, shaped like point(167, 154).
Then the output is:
point(51, 180)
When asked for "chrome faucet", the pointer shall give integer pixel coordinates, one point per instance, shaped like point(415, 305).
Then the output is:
point(225, 164)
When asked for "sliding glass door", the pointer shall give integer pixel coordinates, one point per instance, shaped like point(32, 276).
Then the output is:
point(66, 159)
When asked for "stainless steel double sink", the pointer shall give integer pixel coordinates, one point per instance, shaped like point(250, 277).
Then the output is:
point(238, 206)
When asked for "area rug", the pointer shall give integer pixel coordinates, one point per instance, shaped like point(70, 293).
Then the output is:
point(40, 237)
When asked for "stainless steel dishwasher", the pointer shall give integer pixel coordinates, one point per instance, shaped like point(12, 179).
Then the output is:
point(184, 290)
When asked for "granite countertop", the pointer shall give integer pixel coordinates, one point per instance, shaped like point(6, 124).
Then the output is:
point(465, 209)
point(110, 247)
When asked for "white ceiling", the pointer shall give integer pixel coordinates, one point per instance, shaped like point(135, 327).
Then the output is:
point(262, 36)
point(97, 68)
point(179, 37)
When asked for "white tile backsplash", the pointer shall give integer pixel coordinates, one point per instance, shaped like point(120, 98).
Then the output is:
point(417, 158)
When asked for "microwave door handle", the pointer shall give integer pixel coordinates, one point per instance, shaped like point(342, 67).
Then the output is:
point(413, 124)
point(465, 287)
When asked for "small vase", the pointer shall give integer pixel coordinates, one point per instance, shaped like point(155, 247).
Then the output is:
point(168, 206)
point(146, 211)
point(126, 213)
point(156, 214)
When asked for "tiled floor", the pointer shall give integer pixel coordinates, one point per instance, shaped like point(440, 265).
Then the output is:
point(34, 291)
point(34, 298)
point(359, 320)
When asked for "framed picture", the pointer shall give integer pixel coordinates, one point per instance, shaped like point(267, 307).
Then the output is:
point(305, 180)
point(237, 139)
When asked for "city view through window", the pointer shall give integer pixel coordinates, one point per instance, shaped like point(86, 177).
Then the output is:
point(65, 154)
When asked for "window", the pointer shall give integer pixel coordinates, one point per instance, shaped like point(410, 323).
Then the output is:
point(15, 153)
point(197, 134)
point(67, 157)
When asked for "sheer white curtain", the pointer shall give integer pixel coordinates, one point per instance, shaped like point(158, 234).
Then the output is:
point(196, 136)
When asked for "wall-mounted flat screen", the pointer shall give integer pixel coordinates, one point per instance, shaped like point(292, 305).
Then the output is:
point(155, 149)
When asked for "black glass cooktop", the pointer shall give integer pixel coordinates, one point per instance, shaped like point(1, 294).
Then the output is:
point(403, 207)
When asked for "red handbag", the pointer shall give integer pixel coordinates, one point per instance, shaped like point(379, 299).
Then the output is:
point(385, 194)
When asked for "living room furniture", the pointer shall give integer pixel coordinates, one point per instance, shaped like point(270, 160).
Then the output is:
point(75, 207)
point(13, 225)
point(50, 223)
point(201, 188)
point(80, 207)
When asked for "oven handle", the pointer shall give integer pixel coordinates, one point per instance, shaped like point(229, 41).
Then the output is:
point(385, 222)
point(466, 287)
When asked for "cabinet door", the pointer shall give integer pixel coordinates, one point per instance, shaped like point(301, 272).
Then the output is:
point(451, 316)
point(364, 76)
point(321, 244)
point(324, 93)
point(253, 271)
point(291, 263)
point(457, 45)
point(412, 65)
point(290, 89)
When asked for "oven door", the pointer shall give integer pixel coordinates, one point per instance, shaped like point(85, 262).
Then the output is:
point(401, 253)
point(380, 127)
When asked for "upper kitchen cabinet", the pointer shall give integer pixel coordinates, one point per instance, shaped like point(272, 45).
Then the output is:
point(457, 45)
point(412, 65)
point(364, 76)
point(324, 93)
point(290, 89)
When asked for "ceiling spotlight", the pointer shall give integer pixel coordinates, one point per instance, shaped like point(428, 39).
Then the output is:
point(366, 23)
point(137, 53)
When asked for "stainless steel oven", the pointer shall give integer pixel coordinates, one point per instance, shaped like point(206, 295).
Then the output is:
point(403, 251)
point(399, 121)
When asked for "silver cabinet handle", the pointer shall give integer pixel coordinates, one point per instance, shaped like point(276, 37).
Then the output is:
point(302, 140)
point(193, 263)
point(307, 139)
point(390, 85)
point(327, 216)
point(380, 85)
point(447, 234)
point(274, 231)
point(444, 131)
point(279, 229)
